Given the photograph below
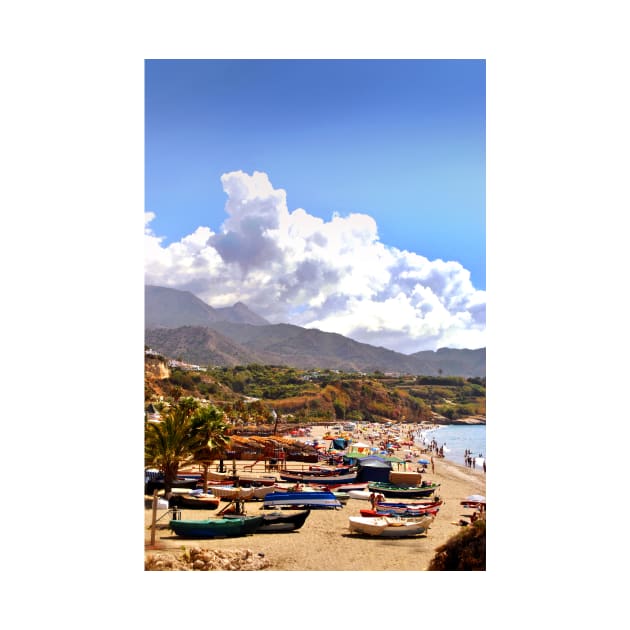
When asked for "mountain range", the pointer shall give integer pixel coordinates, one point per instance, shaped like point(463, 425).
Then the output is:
point(180, 325)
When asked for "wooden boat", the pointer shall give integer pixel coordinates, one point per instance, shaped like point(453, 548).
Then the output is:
point(157, 483)
point(391, 490)
point(282, 521)
point(216, 478)
point(233, 493)
point(194, 501)
point(322, 471)
point(347, 487)
point(305, 499)
point(326, 480)
point(409, 505)
point(401, 512)
point(251, 524)
point(386, 527)
point(257, 480)
point(215, 527)
point(362, 495)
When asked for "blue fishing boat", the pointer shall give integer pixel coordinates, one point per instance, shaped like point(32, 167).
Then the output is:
point(305, 499)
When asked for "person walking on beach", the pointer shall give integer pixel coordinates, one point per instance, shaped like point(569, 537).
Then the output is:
point(432, 466)
point(484, 465)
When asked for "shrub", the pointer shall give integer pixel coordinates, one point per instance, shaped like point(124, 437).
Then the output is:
point(466, 551)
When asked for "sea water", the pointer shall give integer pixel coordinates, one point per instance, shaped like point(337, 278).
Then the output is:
point(456, 439)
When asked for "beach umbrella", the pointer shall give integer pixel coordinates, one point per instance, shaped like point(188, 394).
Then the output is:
point(426, 462)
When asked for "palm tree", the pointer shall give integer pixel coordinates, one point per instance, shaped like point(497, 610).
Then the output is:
point(211, 439)
point(171, 442)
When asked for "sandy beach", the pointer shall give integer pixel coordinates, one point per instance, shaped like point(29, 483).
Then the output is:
point(325, 543)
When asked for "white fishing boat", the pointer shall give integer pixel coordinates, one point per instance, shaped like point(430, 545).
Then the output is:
point(389, 527)
point(362, 495)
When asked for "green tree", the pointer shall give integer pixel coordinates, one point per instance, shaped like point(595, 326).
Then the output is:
point(211, 440)
point(170, 443)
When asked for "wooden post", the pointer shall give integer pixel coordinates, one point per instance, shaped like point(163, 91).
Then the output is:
point(153, 517)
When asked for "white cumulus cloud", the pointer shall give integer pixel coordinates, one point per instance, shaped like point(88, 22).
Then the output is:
point(289, 266)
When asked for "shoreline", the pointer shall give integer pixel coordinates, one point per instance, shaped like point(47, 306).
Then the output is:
point(325, 543)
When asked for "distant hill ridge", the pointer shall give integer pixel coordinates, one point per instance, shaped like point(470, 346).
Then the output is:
point(179, 324)
point(172, 308)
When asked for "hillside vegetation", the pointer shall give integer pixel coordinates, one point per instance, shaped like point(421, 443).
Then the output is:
point(318, 395)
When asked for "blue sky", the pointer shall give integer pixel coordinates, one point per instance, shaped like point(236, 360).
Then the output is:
point(401, 141)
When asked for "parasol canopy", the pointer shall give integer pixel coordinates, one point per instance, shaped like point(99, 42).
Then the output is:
point(426, 462)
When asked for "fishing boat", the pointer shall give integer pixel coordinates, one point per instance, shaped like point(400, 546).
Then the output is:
point(325, 480)
point(305, 499)
point(215, 527)
point(362, 495)
point(409, 505)
point(244, 479)
point(347, 487)
point(194, 501)
point(401, 512)
point(282, 521)
point(321, 471)
point(233, 493)
point(157, 483)
point(257, 480)
point(387, 527)
point(390, 490)
point(251, 524)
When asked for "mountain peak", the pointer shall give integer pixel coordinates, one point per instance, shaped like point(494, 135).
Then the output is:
point(172, 308)
point(240, 314)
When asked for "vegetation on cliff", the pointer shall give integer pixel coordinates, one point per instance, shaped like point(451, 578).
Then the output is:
point(250, 393)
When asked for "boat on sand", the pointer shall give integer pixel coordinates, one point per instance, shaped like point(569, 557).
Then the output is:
point(305, 499)
point(379, 510)
point(234, 493)
point(194, 501)
point(322, 480)
point(387, 527)
point(392, 490)
point(282, 521)
point(215, 527)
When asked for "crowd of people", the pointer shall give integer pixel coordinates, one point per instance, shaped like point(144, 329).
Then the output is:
point(471, 460)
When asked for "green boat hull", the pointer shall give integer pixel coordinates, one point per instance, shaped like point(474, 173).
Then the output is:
point(216, 527)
